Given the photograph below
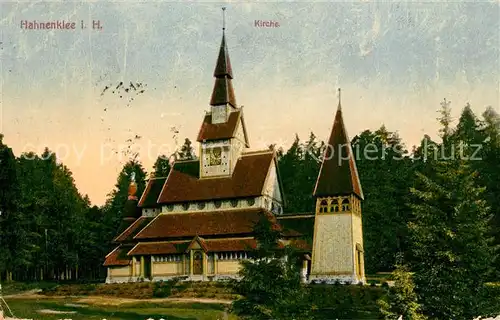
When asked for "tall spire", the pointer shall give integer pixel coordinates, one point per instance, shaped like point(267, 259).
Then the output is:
point(223, 91)
point(338, 174)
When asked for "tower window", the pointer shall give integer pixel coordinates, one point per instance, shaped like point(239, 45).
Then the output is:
point(334, 206)
point(345, 205)
point(323, 206)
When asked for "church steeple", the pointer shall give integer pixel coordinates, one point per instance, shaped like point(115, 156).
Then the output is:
point(338, 211)
point(338, 174)
point(223, 92)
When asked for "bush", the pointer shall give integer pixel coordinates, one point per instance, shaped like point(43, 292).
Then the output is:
point(163, 289)
point(345, 302)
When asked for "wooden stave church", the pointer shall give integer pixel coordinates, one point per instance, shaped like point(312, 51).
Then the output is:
point(197, 223)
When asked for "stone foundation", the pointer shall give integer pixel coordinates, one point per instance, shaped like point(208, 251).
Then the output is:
point(340, 279)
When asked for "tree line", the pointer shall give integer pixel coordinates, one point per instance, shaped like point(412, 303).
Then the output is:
point(49, 230)
point(430, 216)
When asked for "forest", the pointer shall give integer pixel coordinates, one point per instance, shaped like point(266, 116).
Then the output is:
point(49, 230)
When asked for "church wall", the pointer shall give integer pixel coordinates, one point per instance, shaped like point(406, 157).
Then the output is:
point(357, 230)
point(167, 268)
point(237, 146)
point(122, 271)
point(138, 267)
point(208, 206)
point(332, 251)
point(150, 212)
point(228, 266)
point(272, 191)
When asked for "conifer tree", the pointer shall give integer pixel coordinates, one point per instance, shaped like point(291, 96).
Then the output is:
point(445, 120)
point(452, 251)
point(187, 151)
point(11, 236)
point(161, 166)
point(400, 301)
point(270, 283)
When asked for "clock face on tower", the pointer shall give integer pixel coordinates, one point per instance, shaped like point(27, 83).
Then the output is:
point(215, 158)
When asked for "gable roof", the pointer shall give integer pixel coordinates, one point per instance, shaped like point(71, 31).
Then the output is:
point(150, 195)
point(338, 174)
point(224, 130)
point(182, 225)
point(183, 183)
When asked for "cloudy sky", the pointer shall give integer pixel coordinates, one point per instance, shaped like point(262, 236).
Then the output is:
point(395, 62)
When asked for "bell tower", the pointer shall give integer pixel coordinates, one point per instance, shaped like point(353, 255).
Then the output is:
point(338, 254)
point(223, 135)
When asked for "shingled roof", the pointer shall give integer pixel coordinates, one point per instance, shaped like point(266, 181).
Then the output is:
point(338, 174)
point(175, 247)
point(215, 223)
point(152, 192)
point(159, 248)
point(129, 233)
point(224, 130)
point(117, 257)
point(248, 179)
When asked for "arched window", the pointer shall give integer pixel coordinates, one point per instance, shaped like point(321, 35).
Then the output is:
point(334, 206)
point(345, 205)
point(251, 201)
point(234, 203)
point(170, 207)
point(217, 204)
point(323, 206)
point(185, 206)
point(201, 205)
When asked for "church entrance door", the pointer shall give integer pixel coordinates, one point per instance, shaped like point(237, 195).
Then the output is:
point(197, 262)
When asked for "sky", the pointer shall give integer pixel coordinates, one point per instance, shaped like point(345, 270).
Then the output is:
point(395, 63)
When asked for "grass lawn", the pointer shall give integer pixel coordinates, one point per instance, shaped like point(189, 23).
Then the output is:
point(29, 308)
